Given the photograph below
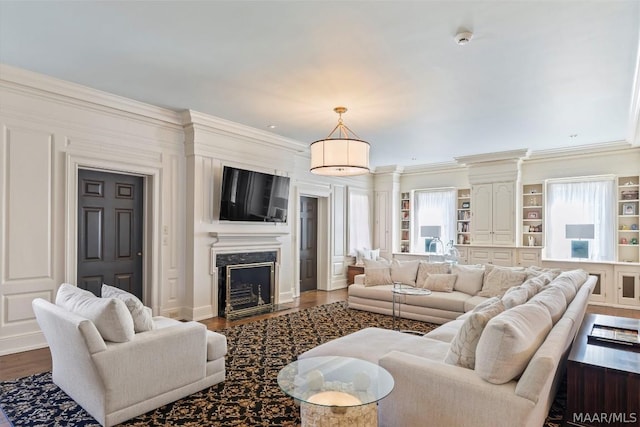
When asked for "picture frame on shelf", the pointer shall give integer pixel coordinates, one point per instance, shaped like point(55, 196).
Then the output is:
point(532, 215)
point(629, 209)
point(466, 205)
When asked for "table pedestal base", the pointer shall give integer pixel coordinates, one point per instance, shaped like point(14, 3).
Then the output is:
point(336, 416)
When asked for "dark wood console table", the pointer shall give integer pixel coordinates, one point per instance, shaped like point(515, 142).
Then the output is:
point(353, 271)
point(603, 381)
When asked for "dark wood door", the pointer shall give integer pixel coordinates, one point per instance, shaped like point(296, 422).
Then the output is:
point(308, 244)
point(110, 231)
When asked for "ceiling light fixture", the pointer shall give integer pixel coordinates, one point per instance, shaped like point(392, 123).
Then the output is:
point(343, 155)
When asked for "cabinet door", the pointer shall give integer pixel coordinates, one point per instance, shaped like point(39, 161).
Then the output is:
point(628, 288)
point(528, 257)
point(503, 214)
point(481, 208)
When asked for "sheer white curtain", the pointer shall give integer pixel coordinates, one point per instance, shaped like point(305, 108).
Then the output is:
point(433, 207)
point(589, 201)
point(359, 227)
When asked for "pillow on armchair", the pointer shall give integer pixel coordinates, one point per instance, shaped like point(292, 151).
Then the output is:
point(142, 316)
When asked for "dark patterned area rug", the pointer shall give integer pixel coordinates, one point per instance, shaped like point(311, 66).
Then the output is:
point(249, 396)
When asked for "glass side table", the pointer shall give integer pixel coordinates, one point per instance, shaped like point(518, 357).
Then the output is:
point(402, 289)
point(336, 391)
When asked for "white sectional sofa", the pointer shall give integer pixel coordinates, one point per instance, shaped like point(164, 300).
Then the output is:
point(498, 364)
point(116, 373)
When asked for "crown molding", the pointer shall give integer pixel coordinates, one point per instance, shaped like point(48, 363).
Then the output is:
point(580, 150)
point(433, 168)
point(207, 123)
point(500, 156)
point(60, 90)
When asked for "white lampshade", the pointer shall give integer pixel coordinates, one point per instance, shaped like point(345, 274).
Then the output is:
point(340, 157)
point(579, 231)
point(430, 231)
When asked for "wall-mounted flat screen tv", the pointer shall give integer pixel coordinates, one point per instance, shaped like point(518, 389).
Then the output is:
point(253, 196)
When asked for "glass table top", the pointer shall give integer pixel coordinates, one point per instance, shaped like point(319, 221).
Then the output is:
point(335, 381)
point(400, 288)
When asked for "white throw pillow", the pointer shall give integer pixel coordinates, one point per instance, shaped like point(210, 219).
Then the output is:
point(553, 300)
point(499, 279)
point(142, 316)
point(427, 268)
point(110, 315)
point(377, 272)
point(509, 341)
point(404, 271)
point(515, 296)
point(575, 277)
point(470, 278)
point(462, 351)
point(441, 282)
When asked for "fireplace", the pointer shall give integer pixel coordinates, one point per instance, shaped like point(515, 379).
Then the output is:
point(246, 283)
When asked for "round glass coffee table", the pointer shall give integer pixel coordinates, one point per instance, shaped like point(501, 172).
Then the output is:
point(336, 390)
point(402, 289)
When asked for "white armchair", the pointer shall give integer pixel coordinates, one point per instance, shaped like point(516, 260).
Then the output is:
point(117, 381)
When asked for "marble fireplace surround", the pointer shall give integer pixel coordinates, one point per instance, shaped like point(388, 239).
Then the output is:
point(234, 248)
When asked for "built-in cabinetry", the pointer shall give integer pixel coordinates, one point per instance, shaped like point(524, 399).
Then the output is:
point(493, 214)
point(405, 222)
point(463, 224)
point(628, 219)
point(533, 215)
point(628, 281)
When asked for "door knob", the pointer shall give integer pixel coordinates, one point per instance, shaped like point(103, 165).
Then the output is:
point(139, 253)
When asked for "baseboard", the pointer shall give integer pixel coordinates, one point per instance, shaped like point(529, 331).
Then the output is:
point(26, 342)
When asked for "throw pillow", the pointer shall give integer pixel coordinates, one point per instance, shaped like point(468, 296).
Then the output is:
point(427, 268)
point(110, 315)
point(575, 277)
point(462, 351)
point(515, 296)
point(377, 272)
point(470, 278)
point(509, 341)
point(441, 282)
point(499, 280)
point(566, 287)
point(404, 271)
point(142, 316)
point(553, 300)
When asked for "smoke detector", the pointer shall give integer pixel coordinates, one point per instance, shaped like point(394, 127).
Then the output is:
point(463, 37)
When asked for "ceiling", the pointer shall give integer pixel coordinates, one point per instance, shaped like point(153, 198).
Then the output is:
point(534, 74)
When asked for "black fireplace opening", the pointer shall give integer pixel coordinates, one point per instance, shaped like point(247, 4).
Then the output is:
point(246, 283)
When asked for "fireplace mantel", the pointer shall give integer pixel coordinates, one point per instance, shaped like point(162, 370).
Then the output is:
point(247, 239)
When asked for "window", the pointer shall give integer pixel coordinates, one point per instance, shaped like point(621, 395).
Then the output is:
point(359, 228)
point(433, 207)
point(581, 201)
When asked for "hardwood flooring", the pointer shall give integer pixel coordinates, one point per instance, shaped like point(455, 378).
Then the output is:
point(31, 362)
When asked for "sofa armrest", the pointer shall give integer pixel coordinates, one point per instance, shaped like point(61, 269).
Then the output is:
point(358, 279)
point(453, 395)
point(154, 362)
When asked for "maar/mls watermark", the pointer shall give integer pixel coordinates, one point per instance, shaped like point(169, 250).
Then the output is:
point(606, 417)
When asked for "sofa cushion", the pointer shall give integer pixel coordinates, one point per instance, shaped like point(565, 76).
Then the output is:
point(553, 300)
point(499, 279)
point(404, 271)
point(474, 301)
point(448, 301)
point(515, 296)
point(110, 315)
point(141, 315)
point(441, 282)
point(566, 287)
point(445, 332)
point(427, 268)
point(380, 292)
point(534, 271)
point(216, 345)
point(470, 278)
point(462, 351)
point(377, 272)
point(509, 341)
point(575, 277)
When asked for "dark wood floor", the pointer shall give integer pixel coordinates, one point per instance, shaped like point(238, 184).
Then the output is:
point(31, 362)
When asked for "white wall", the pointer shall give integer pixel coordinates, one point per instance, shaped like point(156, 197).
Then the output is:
point(50, 128)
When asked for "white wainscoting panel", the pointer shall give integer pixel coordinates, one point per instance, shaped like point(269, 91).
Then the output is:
point(28, 204)
point(17, 308)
